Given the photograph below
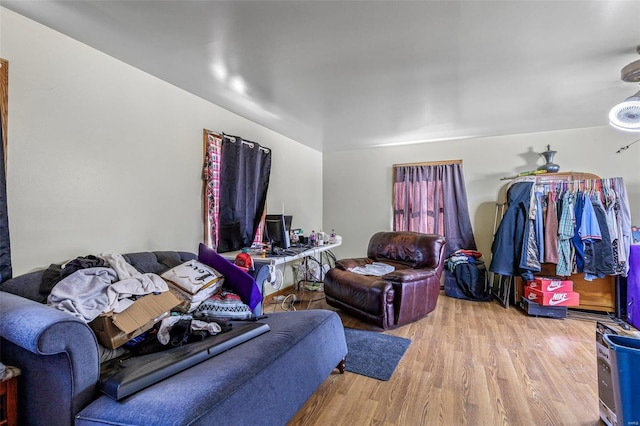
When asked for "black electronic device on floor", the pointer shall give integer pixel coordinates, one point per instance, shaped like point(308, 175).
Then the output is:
point(136, 373)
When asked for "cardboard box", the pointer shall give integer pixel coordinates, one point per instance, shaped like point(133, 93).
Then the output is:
point(551, 284)
point(114, 330)
point(550, 298)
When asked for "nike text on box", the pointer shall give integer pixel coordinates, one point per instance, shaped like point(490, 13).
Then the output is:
point(551, 284)
point(548, 298)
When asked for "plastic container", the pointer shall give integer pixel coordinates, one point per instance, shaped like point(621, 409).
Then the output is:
point(624, 352)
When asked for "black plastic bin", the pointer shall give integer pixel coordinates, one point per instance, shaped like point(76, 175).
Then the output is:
point(624, 352)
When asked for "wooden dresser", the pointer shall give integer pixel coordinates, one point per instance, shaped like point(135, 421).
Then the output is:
point(597, 295)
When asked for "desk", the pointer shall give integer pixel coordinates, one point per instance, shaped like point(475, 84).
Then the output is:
point(261, 264)
point(278, 260)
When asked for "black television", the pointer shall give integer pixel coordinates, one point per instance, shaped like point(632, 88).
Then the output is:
point(276, 231)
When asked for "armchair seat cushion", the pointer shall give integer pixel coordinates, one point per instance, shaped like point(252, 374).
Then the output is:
point(405, 295)
point(409, 274)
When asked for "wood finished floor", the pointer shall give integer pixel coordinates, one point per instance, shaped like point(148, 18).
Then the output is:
point(469, 363)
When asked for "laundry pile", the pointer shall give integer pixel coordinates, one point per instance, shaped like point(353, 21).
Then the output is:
point(469, 271)
point(142, 312)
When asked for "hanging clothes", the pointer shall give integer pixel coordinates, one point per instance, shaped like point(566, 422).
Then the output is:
point(599, 256)
point(539, 224)
point(551, 230)
point(579, 225)
point(578, 205)
point(624, 223)
point(510, 235)
point(565, 234)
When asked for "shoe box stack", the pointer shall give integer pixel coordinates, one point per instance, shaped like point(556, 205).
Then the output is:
point(549, 296)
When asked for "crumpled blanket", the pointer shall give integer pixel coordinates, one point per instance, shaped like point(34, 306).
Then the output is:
point(83, 293)
point(377, 269)
point(89, 292)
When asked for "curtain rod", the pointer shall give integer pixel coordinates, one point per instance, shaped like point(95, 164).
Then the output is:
point(233, 139)
point(429, 163)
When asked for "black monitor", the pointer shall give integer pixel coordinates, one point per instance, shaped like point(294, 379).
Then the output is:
point(276, 230)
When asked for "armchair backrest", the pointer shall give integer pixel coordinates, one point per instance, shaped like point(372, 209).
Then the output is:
point(413, 249)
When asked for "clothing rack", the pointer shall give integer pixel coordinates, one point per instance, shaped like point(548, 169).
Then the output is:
point(599, 294)
point(573, 178)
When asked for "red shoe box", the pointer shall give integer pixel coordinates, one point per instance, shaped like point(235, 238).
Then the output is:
point(551, 284)
point(552, 298)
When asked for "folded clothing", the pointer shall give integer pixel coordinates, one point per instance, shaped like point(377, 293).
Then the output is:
point(193, 276)
point(191, 301)
point(377, 269)
point(223, 304)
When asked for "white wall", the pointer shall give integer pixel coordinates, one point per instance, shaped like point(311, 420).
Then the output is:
point(358, 184)
point(103, 156)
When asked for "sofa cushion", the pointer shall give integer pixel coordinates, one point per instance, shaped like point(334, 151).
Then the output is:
point(157, 262)
point(27, 286)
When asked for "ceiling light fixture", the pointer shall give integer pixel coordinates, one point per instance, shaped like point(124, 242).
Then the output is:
point(626, 115)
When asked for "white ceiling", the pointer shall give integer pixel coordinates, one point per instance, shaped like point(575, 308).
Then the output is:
point(340, 75)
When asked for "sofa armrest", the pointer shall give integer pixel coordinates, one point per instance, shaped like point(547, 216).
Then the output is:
point(410, 275)
point(58, 355)
point(346, 264)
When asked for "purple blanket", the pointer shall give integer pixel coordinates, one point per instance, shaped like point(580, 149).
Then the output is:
point(240, 281)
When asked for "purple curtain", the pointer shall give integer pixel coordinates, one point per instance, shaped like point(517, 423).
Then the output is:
point(432, 199)
point(245, 168)
point(5, 246)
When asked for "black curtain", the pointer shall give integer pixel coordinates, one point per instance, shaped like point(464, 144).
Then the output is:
point(244, 180)
point(5, 246)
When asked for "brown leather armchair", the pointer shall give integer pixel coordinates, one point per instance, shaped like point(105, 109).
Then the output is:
point(405, 295)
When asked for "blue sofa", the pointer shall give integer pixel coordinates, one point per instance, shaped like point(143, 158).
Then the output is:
point(263, 381)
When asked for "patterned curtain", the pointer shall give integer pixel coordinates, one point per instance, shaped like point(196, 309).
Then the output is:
point(431, 198)
point(211, 176)
point(236, 176)
point(5, 244)
point(418, 204)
